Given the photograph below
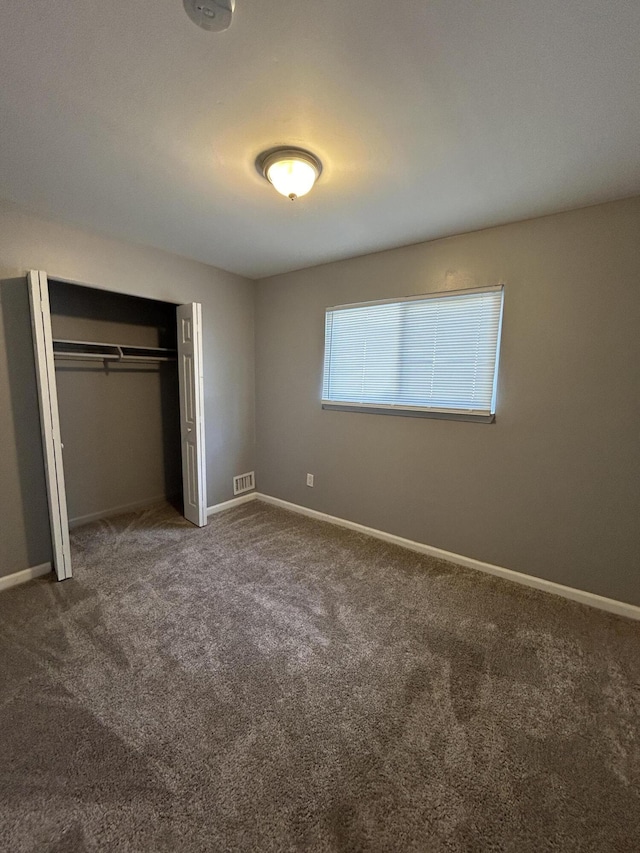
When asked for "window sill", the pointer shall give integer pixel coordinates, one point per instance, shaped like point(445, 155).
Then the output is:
point(441, 414)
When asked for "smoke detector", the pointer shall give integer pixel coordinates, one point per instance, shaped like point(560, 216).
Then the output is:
point(212, 15)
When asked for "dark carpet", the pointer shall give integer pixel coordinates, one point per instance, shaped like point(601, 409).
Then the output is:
point(272, 683)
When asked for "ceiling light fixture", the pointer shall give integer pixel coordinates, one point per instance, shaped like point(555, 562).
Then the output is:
point(292, 171)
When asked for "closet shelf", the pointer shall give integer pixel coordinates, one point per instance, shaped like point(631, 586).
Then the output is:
point(91, 350)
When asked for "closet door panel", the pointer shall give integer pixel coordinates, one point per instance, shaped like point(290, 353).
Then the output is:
point(50, 422)
point(190, 375)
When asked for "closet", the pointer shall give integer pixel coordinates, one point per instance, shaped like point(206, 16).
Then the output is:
point(121, 399)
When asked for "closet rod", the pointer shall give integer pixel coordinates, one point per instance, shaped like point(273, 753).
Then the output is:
point(100, 351)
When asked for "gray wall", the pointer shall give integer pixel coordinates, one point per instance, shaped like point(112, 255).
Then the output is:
point(27, 242)
point(552, 487)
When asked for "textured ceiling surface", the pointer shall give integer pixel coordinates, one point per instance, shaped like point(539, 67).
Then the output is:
point(431, 118)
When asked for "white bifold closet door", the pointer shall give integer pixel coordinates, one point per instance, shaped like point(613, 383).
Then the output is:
point(191, 385)
point(50, 422)
point(190, 373)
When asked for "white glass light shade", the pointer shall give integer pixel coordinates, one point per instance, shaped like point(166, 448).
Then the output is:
point(293, 172)
point(292, 178)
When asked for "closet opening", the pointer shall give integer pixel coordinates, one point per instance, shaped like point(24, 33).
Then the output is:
point(116, 374)
point(121, 394)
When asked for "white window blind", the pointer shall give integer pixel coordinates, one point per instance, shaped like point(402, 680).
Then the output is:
point(434, 354)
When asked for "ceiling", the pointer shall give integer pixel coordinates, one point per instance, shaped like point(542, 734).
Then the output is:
point(431, 117)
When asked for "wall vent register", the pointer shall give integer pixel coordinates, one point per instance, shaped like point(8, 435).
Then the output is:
point(244, 483)
point(434, 355)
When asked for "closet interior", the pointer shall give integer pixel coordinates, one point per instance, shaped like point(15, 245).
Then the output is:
point(116, 374)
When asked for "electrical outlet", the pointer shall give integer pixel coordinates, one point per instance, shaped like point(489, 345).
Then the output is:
point(309, 479)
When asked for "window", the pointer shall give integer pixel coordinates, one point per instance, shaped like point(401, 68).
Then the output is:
point(434, 355)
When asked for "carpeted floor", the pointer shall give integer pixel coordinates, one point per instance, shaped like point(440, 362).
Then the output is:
point(272, 683)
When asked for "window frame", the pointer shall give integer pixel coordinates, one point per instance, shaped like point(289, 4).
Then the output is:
point(473, 415)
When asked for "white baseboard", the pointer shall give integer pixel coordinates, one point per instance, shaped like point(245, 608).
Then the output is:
point(243, 499)
point(115, 510)
point(25, 575)
point(621, 608)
